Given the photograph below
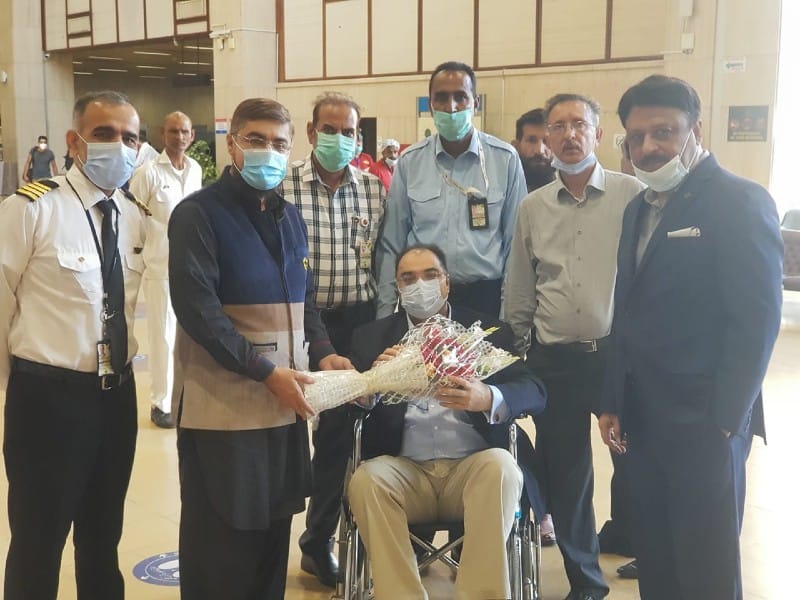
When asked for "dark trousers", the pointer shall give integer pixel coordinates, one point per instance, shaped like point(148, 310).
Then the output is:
point(615, 536)
point(482, 296)
point(217, 560)
point(564, 457)
point(687, 491)
point(333, 438)
point(68, 451)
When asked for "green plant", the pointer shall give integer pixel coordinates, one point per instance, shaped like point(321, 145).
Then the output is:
point(201, 152)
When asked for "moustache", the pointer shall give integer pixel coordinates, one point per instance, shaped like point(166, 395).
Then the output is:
point(653, 161)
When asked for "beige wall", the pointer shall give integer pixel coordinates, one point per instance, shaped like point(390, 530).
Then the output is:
point(722, 30)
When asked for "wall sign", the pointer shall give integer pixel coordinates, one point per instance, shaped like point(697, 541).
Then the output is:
point(748, 123)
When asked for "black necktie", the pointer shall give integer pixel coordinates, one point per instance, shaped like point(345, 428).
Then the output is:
point(114, 288)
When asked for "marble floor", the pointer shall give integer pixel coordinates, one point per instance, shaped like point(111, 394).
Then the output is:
point(769, 540)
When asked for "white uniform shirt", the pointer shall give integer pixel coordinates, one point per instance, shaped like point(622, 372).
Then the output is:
point(51, 289)
point(160, 187)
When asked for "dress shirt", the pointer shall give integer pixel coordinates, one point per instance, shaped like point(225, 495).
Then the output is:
point(51, 288)
point(423, 208)
point(160, 186)
point(563, 261)
point(341, 225)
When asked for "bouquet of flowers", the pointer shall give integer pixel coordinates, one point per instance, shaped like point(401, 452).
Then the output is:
point(429, 355)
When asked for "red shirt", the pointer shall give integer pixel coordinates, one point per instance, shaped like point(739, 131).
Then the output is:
point(383, 172)
point(363, 161)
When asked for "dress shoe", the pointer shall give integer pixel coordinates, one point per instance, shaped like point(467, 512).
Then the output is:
point(613, 541)
point(577, 595)
point(629, 570)
point(323, 565)
point(161, 419)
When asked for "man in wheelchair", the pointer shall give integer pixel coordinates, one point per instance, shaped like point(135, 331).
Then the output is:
point(442, 458)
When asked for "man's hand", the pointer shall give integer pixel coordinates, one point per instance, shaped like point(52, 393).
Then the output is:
point(610, 431)
point(334, 362)
point(387, 354)
point(474, 396)
point(287, 385)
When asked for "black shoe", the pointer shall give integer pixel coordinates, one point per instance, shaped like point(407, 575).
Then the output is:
point(629, 570)
point(613, 541)
point(161, 419)
point(322, 564)
point(576, 595)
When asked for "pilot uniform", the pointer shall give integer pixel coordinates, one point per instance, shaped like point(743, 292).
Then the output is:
point(70, 434)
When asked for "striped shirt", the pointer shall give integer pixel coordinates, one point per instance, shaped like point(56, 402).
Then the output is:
point(343, 230)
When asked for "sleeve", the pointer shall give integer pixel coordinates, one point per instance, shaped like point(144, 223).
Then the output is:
point(519, 297)
point(749, 267)
point(396, 225)
point(319, 344)
point(193, 281)
point(18, 218)
point(141, 185)
point(516, 190)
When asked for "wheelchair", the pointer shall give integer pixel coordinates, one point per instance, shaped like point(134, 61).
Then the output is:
point(523, 546)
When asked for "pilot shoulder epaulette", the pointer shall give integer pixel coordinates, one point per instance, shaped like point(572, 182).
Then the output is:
point(36, 189)
point(129, 195)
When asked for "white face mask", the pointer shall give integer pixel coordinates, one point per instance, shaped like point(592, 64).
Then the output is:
point(668, 176)
point(390, 162)
point(422, 299)
point(42, 146)
point(574, 168)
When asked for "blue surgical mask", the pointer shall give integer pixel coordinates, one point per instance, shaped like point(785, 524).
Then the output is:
point(453, 126)
point(574, 169)
point(108, 165)
point(263, 169)
point(334, 151)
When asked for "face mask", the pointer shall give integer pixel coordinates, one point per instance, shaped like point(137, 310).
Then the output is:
point(453, 126)
point(334, 151)
point(422, 299)
point(42, 146)
point(263, 169)
point(574, 169)
point(108, 165)
point(359, 149)
point(390, 162)
point(666, 177)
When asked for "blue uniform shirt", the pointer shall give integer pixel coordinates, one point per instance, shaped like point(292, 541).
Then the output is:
point(423, 207)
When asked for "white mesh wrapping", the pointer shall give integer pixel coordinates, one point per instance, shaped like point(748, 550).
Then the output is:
point(430, 354)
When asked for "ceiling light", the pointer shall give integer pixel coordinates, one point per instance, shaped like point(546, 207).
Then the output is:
point(151, 67)
point(188, 74)
point(198, 48)
point(77, 62)
point(81, 73)
point(187, 62)
point(152, 53)
point(106, 58)
point(151, 77)
point(114, 70)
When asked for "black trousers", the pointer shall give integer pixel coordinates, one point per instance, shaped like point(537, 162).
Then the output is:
point(68, 452)
point(333, 438)
point(218, 560)
point(483, 296)
point(564, 457)
point(686, 485)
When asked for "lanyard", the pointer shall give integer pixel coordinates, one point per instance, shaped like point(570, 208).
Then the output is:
point(469, 191)
point(106, 275)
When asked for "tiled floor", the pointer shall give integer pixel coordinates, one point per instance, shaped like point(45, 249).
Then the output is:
point(769, 540)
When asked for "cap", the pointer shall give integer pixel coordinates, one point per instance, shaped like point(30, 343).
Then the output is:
point(391, 142)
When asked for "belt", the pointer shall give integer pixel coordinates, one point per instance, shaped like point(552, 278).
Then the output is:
point(104, 382)
point(579, 347)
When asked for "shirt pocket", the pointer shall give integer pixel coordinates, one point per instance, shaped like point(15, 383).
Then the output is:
point(427, 205)
point(85, 271)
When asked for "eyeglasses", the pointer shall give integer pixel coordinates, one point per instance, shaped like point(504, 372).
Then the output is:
point(259, 143)
point(411, 278)
point(560, 127)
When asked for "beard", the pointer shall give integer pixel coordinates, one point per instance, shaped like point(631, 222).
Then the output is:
point(538, 172)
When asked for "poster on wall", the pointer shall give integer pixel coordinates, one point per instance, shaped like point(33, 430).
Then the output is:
point(747, 123)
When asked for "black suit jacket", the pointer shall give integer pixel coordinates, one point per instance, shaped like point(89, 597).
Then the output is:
point(522, 391)
point(695, 322)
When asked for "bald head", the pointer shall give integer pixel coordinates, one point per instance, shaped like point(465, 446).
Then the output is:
point(178, 135)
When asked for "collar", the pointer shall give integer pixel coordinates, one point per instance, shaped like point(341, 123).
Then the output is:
point(474, 144)
point(88, 193)
point(309, 173)
point(597, 181)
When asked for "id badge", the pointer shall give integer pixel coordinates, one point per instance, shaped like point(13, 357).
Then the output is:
point(478, 212)
point(365, 255)
point(104, 358)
